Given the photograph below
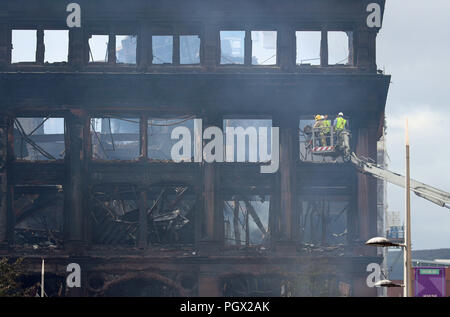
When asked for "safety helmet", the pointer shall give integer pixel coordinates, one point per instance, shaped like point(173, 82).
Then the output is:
point(340, 114)
point(318, 117)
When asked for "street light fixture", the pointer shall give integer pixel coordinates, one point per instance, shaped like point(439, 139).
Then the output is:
point(383, 242)
point(387, 283)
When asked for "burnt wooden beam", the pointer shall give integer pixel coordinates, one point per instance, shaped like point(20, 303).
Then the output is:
point(255, 216)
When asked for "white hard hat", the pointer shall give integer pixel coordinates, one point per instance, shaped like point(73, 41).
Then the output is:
point(340, 114)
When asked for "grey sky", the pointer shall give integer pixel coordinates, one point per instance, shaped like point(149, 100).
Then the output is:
point(413, 46)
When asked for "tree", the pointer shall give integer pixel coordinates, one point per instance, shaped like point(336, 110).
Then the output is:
point(10, 274)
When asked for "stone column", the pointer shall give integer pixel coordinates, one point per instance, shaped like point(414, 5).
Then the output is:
point(75, 189)
point(289, 153)
point(212, 200)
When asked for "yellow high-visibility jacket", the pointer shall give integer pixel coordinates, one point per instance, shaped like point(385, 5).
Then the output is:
point(340, 123)
point(326, 126)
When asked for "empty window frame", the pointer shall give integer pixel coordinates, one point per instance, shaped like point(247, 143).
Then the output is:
point(115, 138)
point(324, 221)
point(162, 49)
point(39, 218)
point(56, 44)
point(338, 48)
point(232, 47)
point(161, 144)
point(308, 47)
point(24, 45)
point(189, 49)
point(264, 47)
point(246, 220)
point(98, 48)
point(37, 139)
point(126, 49)
point(247, 140)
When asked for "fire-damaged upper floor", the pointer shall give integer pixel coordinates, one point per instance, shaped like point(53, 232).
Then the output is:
point(142, 51)
point(212, 35)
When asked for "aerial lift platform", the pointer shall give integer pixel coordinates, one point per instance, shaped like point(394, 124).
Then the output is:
point(338, 145)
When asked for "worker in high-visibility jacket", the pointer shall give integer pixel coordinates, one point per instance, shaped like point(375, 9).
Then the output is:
point(326, 130)
point(340, 124)
point(318, 129)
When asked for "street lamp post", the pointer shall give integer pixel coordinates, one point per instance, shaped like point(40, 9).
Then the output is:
point(407, 291)
point(383, 242)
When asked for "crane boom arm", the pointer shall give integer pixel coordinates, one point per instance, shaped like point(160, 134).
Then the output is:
point(432, 194)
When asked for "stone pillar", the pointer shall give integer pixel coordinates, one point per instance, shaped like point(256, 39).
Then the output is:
point(211, 47)
point(365, 50)
point(287, 49)
point(176, 50)
point(78, 48)
point(366, 188)
point(248, 48)
point(289, 153)
point(144, 47)
point(40, 47)
point(112, 49)
point(75, 188)
point(324, 49)
point(212, 200)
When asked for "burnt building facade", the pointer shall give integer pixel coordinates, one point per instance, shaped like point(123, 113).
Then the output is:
point(86, 170)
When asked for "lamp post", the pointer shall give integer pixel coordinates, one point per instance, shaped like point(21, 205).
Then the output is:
point(383, 242)
point(407, 291)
